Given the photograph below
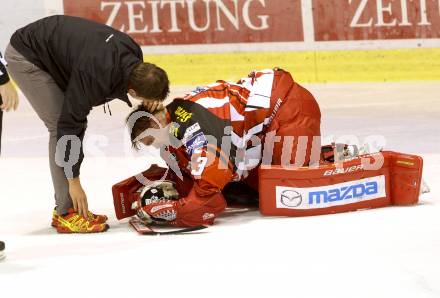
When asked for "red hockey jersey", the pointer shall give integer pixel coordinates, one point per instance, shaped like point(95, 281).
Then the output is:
point(222, 126)
point(221, 130)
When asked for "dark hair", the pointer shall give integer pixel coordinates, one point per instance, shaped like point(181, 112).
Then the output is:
point(138, 126)
point(150, 81)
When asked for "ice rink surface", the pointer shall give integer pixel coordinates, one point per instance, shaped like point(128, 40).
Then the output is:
point(389, 252)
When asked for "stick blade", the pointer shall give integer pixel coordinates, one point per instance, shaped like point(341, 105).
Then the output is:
point(144, 229)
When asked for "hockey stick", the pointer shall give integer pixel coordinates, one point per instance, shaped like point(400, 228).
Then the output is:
point(143, 229)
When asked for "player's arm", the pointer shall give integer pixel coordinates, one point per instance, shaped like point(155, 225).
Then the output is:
point(210, 169)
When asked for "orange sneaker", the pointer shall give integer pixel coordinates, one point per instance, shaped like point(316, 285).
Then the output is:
point(94, 218)
point(72, 222)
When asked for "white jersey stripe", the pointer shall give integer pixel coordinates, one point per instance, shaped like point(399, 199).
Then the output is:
point(211, 102)
point(257, 100)
point(235, 116)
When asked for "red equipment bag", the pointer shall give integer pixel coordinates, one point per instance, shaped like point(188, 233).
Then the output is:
point(348, 186)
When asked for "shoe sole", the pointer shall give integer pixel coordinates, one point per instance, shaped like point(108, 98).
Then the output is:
point(93, 232)
point(96, 223)
point(54, 225)
point(2, 255)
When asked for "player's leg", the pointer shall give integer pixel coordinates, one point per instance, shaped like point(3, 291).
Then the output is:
point(298, 124)
point(46, 98)
point(243, 193)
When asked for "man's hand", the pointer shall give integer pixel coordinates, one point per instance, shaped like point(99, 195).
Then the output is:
point(153, 105)
point(79, 197)
point(9, 97)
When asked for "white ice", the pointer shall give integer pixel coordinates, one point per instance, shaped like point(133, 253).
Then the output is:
point(388, 252)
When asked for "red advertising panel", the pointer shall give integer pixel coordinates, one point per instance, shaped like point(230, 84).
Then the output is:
point(165, 22)
point(376, 19)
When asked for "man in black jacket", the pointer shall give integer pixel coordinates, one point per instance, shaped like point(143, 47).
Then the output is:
point(65, 66)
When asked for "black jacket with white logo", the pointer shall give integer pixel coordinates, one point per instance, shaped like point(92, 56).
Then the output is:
point(4, 78)
point(90, 62)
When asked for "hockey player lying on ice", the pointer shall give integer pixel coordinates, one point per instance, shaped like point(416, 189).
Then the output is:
point(215, 135)
point(220, 135)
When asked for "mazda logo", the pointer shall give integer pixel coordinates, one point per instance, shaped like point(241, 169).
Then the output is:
point(291, 198)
